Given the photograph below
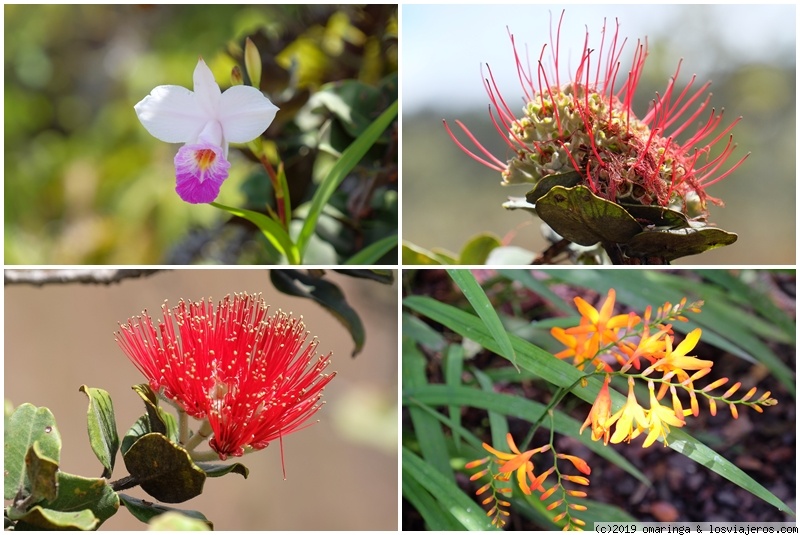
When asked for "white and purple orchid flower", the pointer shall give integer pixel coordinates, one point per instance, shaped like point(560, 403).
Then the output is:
point(205, 120)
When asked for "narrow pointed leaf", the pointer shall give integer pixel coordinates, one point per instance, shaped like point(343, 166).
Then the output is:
point(102, 427)
point(348, 160)
point(477, 298)
point(324, 293)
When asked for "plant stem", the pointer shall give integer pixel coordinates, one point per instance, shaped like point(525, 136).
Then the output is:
point(277, 188)
point(126, 482)
point(203, 433)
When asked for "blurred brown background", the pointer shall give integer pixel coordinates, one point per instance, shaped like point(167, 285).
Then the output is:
point(341, 472)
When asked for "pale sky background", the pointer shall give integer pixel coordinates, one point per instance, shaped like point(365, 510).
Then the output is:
point(443, 46)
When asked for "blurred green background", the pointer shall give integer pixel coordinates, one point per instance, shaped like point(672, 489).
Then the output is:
point(85, 183)
point(747, 51)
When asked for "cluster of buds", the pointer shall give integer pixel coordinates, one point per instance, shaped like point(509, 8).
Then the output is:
point(500, 466)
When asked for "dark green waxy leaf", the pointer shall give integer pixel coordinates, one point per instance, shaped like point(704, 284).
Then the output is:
point(385, 276)
point(657, 216)
point(582, 217)
point(28, 424)
point(145, 511)
point(672, 244)
point(159, 420)
point(40, 518)
point(567, 180)
point(325, 293)
point(102, 427)
point(163, 469)
point(139, 428)
point(218, 470)
point(41, 474)
point(477, 249)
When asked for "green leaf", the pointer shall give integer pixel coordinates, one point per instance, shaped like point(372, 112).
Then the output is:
point(175, 521)
point(271, 230)
point(543, 187)
point(428, 432)
point(384, 276)
point(657, 216)
point(434, 515)
point(348, 160)
point(159, 421)
point(465, 511)
point(76, 493)
point(28, 424)
point(477, 249)
point(41, 474)
point(582, 217)
point(373, 252)
point(102, 427)
point(326, 294)
point(539, 287)
point(80, 501)
point(672, 244)
point(219, 470)
point(477, 298)
point(139, 428)
point(40, 518)
point(145, 511)
point(453, 370)
point(563, 374)
point(422, 333)
point(414, 255)
point(163, 469)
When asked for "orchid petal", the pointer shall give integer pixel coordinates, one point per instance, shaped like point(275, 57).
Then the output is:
point(169, 113)
point(206, 91)
point(245, 113)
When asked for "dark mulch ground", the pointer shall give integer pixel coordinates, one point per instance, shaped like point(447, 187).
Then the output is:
point(763, 445)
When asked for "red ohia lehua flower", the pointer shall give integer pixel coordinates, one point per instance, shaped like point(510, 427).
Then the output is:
point(585, 126)
point(251, 374)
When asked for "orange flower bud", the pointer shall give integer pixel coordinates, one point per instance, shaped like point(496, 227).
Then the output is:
point(715, 384)
point(731, 390)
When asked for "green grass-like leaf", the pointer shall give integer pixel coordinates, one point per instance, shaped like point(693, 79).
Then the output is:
point(460, 506)
point(349, 159)
point(271, 229)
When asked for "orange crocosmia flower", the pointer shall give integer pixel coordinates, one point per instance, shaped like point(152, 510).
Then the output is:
point(602, 322)
point(520, 462)
point(583, 346)
point(677, 361)
point(631, 419)
point(599, 414)
point(660, 418)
